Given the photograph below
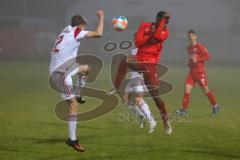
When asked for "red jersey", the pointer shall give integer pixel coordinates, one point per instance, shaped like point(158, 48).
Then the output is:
point(201, 54)
point(149, 41)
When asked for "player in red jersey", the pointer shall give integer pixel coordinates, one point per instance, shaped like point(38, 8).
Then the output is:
point(198, 54)
point(149, 40)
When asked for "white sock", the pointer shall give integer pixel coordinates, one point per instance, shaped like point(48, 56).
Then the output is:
point(135, 109)
point(145, 109)
point(72, 126)
point(81, 81)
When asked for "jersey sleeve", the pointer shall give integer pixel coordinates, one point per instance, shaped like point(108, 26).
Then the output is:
point(144, 34)
point(79, 34)
point(204, 54)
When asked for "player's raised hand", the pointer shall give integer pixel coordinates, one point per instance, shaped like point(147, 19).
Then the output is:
point(99, 30)
point(167, 15)
point(100, 14)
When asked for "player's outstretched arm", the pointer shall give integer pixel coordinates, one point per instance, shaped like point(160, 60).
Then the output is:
point(99, 30)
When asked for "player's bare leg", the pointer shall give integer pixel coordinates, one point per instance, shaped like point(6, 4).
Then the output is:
point(143, 106)
point(151, 79)
point(72, 125)
point(154, 92)
point(132, 63)
point(186, 99)
point(82, 76)
point(212, 100)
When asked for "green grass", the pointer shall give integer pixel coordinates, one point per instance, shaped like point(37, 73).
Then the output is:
point(30, 131)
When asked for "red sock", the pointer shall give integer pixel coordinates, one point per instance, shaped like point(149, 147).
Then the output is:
point(186, 99)
point(122, 70)
point(211, 98)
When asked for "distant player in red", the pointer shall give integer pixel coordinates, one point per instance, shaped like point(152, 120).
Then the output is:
point(149, 40)
point(198, 54)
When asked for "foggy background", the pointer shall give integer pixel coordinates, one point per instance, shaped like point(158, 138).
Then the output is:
point(28, 28)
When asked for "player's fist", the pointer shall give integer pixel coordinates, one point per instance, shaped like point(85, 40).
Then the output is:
point(167, 17)
point(100, 14)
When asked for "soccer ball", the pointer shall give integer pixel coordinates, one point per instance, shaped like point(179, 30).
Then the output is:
point(119, 23)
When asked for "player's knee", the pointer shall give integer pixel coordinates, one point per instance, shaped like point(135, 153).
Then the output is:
point(128, 60)
point(85, 69)
point(154, 90)
point(138, 100)
point(188, 88)
point(154, 93)
point(72, 105)
point(206, 90)
point(88, 70)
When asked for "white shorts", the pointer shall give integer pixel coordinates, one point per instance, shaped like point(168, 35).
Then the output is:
point(136, 85)
point(63, 83)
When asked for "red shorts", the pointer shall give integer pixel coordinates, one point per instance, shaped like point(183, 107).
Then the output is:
point(148, 66)
point(199, 77)
point(147, 58)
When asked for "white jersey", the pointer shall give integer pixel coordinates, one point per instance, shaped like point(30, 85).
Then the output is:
point(66, 48)
point(134, 75)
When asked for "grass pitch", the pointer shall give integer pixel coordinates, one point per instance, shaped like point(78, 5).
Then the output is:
point(30, 131)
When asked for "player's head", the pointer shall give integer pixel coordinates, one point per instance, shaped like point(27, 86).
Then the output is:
point(79, 21)
point(192, 35)
point(162, 14)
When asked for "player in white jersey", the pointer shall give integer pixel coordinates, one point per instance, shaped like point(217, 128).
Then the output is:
point(63, 67)
point(133, 98)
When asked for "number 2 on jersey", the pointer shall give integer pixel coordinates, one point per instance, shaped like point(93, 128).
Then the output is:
point(59, 40)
